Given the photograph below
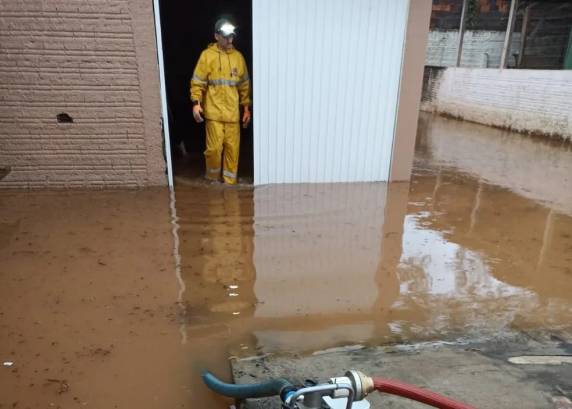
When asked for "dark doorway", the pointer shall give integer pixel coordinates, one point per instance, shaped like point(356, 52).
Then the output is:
point(188, 28)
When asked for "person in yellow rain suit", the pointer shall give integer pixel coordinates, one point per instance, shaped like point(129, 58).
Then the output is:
point(220, 84)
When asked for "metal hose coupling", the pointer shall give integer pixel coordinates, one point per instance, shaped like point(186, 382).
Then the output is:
point(362, 384)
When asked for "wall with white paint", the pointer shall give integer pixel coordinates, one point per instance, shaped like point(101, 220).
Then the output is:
point(532, 101)
point(326, 86)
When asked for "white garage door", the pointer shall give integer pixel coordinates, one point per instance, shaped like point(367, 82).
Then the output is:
point(326, 84)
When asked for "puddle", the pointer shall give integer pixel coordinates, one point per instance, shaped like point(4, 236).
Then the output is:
point(120, 299)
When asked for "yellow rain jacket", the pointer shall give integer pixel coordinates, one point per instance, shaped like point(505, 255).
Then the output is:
point(221, 83)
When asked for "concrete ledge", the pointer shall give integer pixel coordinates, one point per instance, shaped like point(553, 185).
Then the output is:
point(530, 101)
point(478, 373)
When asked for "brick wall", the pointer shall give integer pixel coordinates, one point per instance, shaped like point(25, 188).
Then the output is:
point(492, 15)
point(96, 62)
point(532, 101)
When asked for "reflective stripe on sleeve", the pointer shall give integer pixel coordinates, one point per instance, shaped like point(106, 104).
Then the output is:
point(230, 83)
point(198, 79)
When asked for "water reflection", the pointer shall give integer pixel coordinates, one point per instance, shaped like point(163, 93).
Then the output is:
point(460, 252)
point(469, 249)
point(484, 245)
point(539, 169)
point(216, 248)
point(294, 268)
point(318, 251)
point(317, 247)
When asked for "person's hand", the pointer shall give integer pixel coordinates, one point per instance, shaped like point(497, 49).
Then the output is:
point(197, 113)
point(246, 117)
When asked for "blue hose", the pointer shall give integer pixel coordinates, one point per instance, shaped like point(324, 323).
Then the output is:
point(273, 387)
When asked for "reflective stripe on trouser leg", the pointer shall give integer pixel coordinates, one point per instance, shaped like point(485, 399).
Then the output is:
point(213, 153)
point(231, 151)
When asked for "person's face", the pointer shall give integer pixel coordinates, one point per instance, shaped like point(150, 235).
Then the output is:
point(224, 43)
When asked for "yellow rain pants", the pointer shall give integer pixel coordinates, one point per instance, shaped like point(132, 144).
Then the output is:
point(221, 155)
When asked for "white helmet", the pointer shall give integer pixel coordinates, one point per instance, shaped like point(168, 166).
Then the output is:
point(225, 28)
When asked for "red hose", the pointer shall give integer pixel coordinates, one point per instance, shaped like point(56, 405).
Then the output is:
point(414, 393)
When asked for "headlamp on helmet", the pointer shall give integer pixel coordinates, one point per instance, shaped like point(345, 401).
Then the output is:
point(225, 28)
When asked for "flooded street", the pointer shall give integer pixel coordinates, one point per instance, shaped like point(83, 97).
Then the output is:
point(119, 299)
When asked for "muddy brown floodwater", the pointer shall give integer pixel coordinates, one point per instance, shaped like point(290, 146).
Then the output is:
point(119, 299)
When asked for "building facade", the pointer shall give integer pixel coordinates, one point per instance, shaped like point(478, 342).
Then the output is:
point(80, 93)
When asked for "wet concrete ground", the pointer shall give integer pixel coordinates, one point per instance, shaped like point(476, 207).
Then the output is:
point(477, 373)
point(120, 299)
